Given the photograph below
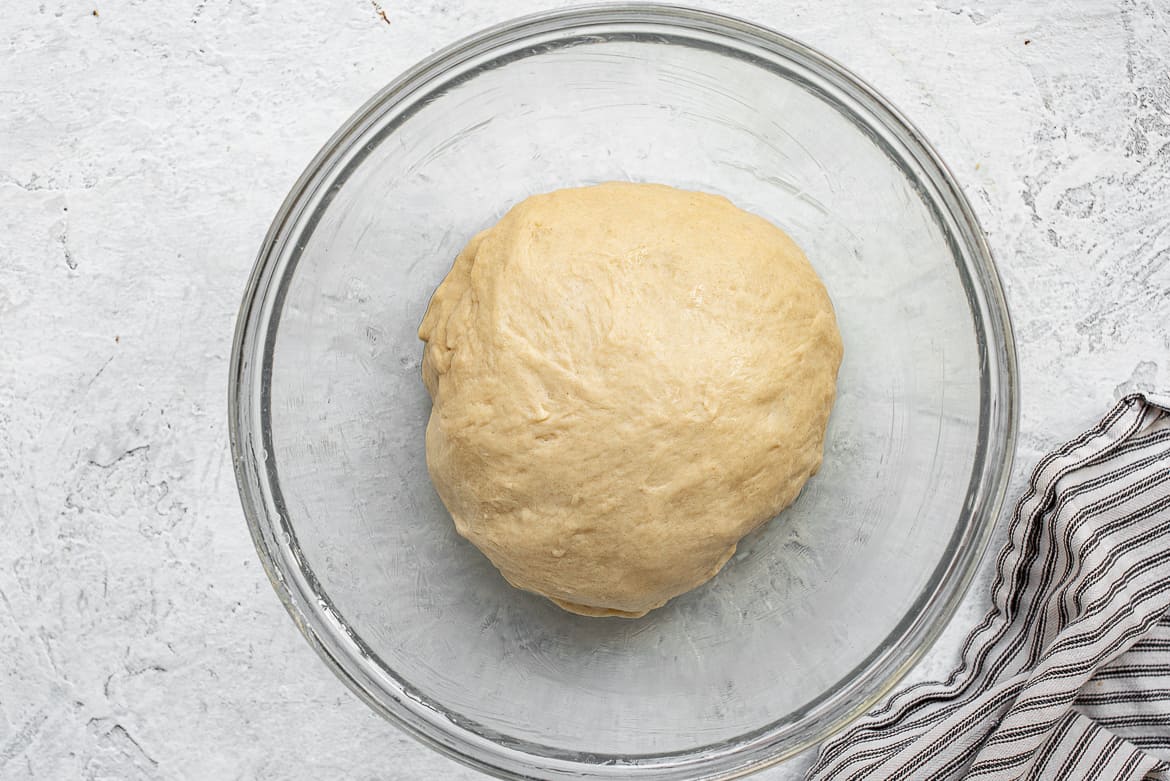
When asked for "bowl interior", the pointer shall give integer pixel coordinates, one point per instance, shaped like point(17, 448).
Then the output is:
point(819, 611)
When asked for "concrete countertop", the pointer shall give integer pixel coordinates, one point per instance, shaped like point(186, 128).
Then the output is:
point(144, 147)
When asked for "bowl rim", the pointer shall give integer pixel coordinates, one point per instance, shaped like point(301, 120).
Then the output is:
point(306, 602)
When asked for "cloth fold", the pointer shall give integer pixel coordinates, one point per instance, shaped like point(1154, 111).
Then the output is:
point(1068, 675)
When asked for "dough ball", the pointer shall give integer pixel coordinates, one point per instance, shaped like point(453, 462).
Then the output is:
point(627, 378)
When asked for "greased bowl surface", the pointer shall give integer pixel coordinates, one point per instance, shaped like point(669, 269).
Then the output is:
point(821, 611)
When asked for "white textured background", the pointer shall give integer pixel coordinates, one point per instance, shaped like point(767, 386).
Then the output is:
point(144, 146)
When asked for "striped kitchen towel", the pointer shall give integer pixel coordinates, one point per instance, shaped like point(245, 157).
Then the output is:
point(1068, 676)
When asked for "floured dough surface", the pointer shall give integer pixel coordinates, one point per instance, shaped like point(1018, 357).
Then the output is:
point(626, 379)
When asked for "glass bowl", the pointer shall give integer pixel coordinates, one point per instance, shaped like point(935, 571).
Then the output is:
point(822, 610)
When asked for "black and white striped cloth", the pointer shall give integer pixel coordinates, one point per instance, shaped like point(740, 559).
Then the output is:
point(1068, 676)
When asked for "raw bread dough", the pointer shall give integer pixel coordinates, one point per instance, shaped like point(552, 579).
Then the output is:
point(627, 378)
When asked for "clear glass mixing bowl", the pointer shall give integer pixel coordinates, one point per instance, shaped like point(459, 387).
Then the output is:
point(821, 611)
